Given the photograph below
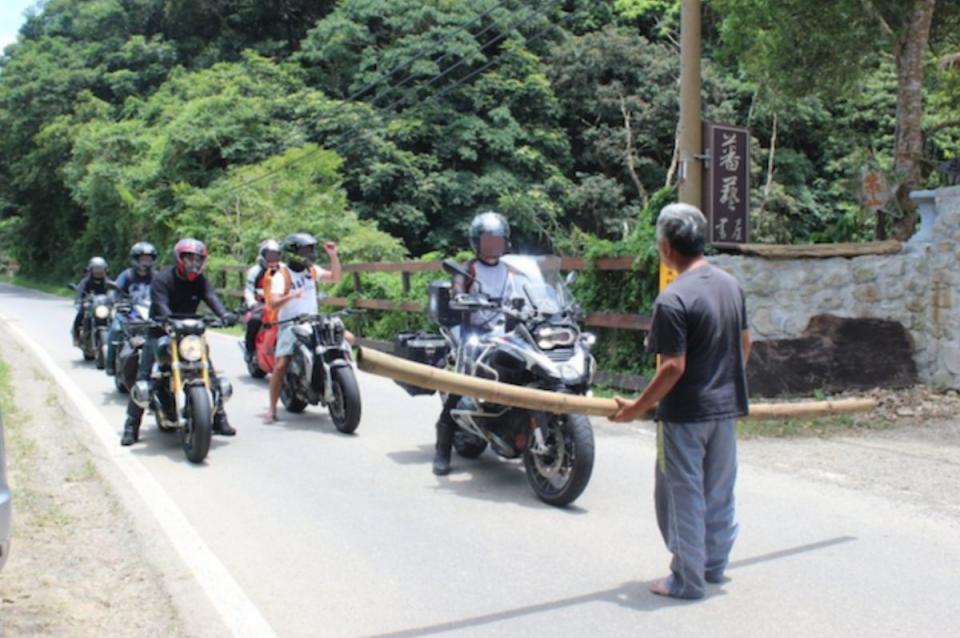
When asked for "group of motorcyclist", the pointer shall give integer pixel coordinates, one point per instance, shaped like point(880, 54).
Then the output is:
point(283, 284)
point(179, 289)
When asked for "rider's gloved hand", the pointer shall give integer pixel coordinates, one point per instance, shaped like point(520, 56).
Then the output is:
point(229, 319)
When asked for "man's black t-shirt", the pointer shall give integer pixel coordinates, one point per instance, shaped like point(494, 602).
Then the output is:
point(170, 294)
point(702, 314)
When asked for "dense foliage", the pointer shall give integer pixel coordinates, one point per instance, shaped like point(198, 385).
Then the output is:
point(386, 124)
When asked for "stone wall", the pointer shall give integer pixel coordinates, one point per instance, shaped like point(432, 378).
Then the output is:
point(920, 288)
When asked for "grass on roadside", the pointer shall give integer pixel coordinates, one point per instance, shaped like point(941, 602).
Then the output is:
point(819, 427)
point(43, 286)
point(36, 508)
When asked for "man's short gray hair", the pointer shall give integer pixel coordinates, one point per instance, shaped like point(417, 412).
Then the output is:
point(684, 227)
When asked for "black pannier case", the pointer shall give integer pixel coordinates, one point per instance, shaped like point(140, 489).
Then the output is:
point(421, 347)
point(438, 306)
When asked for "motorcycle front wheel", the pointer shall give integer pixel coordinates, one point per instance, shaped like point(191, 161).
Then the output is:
point(199, 424)
point(560, 473)
point(101, 345)
point(345, 409)
point(118, 379)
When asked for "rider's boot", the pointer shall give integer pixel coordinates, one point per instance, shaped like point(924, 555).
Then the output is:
point(441, 456)
point(131, 431)
point(221, 425)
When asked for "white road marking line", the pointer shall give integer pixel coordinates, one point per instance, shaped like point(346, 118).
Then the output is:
point(239, 614)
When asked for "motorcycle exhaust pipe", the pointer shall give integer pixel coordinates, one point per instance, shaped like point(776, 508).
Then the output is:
point(431, 378)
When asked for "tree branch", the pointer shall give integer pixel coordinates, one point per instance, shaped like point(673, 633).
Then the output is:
point(770, 167)
point(941, 126)
point(871, 9)
point(630, 160)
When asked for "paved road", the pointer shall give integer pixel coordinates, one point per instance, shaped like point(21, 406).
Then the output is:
point(333, 535)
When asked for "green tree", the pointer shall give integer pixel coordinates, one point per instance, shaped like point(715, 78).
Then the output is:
point(829, 46)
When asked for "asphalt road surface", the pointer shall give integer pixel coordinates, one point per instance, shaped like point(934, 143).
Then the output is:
point(336, 535)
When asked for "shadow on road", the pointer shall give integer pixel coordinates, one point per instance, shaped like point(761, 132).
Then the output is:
point(487, 478)
point(633, 595)
point(153, 442)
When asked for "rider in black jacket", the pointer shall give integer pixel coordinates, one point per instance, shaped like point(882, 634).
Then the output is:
point(178, 290)
point(94, 281)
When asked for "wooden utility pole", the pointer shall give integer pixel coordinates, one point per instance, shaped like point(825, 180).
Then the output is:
point(690, 140)
point(689, 132)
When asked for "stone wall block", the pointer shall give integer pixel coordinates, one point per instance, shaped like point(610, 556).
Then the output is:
point(864, 273)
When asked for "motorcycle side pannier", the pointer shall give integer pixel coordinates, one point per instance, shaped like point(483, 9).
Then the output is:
point(438, 306)
point(421, 347)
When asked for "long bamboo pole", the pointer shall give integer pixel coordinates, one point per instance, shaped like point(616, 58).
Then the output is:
point(425, 376)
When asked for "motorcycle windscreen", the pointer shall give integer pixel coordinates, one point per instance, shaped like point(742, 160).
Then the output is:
point(265, 344)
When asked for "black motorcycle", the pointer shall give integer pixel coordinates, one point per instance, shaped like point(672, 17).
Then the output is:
point(181, 391)
point(320, 372)
point(97, 314)
point(532, 340)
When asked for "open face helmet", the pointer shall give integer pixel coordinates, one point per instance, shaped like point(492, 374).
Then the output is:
point(489, 236)
point(190, 256)
point(269, 254)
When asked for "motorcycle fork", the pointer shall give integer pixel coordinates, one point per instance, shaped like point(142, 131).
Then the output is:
point(539, 444)
point(175, 378)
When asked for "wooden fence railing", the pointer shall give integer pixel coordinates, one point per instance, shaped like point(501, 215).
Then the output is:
point(616, 321)
point(610, 320)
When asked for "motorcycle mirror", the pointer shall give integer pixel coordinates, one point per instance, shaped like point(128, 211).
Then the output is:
point(572, 277)
point(72, 287)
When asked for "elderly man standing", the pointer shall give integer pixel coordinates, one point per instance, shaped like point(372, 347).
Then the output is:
point(699, 329)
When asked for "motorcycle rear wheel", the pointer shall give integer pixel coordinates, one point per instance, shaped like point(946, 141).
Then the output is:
point(559, 477)
point(199, 424)
point(254, 368)
point(289, 398)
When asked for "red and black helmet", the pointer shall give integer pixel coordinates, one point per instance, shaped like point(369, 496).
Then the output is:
point(190, 256)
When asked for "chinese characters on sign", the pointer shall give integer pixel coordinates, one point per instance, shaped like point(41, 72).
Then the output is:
point(727, 183)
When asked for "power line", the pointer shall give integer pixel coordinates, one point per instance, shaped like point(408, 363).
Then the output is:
point(450, 87)
point(506, 32)
point(437, 62)
point(425, 52)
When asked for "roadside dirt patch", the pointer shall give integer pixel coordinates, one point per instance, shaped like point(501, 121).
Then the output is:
point(76, 565)
point(907, 450)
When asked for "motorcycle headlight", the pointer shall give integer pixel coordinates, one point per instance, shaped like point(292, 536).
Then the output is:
point(101, 312)
point(191, 348)
point(589, 339)
point(549, 337)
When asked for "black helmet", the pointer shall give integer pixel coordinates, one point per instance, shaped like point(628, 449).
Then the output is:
point(489, 225)
point(97, 267)
point(300, 251)
point(269, 245)
point(140, 249)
